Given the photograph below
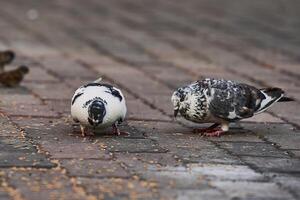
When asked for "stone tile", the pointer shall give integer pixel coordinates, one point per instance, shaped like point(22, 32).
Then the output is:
point(186, 147)
point(287, 111)
point(43, 184)
point(62, 107)
point(156, 129)
point(251, 190)
point(77, 150)
point(94, 168)
point(38, 74)
point(18, 99)
point(143, 86)
point(139, 111)
point(162, 159)
point(118, 188)
point(5, 195)
point(226, 172)
point(8, 129)
point(65, 67)
point(207, 154)
point(94, 59)
point(287, 181)
point(75, 82)
point(131, 163)
point(14, 91)
point(169, 75)
point(33, 48)
point(253, 149)
point(29, 110)
point(198, 176)
point(163, 102)
point(120, 49)
point(264, 118)
point(178, 177)
point(296, 153)
point(193, 194)
point(47, 128)
point(58, 138)
point(10, 158)
point(133, 145)
point(49, 91)
point(267, 164)
point(283, 135)
point(16, 152)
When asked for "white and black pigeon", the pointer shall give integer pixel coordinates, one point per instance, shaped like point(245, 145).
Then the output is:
point(221, 101)
point(98, 106)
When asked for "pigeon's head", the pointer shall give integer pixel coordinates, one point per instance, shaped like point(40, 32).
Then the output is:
point(177, 100)
point(96, 112)
point(7, 56)
point(23, 69)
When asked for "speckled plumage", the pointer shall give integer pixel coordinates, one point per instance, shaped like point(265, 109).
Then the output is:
point(98, 106)
point(222, 101)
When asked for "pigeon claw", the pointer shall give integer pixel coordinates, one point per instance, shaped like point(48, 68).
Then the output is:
point(205, 130)
point(116, 131)
point(216, 133)
point(82, 131)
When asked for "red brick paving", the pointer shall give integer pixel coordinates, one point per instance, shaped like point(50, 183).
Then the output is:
point(147, 49)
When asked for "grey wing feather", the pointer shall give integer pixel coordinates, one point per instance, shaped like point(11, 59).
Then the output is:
point(232, 101)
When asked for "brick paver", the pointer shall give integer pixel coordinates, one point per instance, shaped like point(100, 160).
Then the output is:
point(148, 48)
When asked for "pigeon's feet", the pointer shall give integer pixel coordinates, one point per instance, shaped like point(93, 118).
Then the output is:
point(84, 132)
point(82, 129)
point(213, 133)
point(202, 130)
point(205, 130)
point(116, 131)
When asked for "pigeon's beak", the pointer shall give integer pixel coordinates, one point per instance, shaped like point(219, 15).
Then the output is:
point(175, 113)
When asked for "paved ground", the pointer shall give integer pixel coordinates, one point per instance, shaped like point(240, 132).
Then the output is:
point(148, 48)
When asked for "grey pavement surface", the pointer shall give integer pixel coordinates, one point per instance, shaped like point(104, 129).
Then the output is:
point(148, 49)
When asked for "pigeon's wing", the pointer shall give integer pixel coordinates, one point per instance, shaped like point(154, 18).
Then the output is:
point(109, 89)
point(232, 101)
point(269, 96)
point(77, 94)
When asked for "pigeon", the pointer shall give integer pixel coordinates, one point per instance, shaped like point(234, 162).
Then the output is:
point(221, 101)
point(6, 57)
point(98, 106)
point(13, 77)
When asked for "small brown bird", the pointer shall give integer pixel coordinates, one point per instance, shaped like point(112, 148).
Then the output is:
point(14, 77)
point(6, 57)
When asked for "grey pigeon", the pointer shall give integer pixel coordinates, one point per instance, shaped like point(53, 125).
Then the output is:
point(221, 101)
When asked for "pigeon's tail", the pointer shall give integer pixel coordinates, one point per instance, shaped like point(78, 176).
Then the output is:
point(268, 97)
point(286, 99)
point(98, 80)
